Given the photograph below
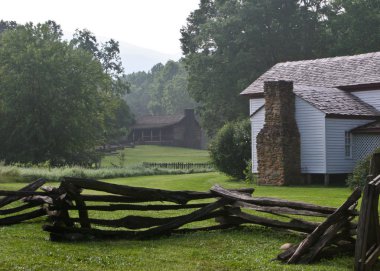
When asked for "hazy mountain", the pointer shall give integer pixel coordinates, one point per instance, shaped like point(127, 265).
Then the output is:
point(136, 58)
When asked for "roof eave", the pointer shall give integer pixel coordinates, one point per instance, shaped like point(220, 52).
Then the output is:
point(344, 116)
point(254, 95)
point(366, 131)
point(360, 87)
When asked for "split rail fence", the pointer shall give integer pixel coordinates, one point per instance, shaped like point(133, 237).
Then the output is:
point(81, 209)
point(179, 165)
point(367, 249)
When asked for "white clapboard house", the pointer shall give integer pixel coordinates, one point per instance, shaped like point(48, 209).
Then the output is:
point(337, 110)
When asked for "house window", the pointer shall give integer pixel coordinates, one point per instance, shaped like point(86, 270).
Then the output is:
point(348, 144)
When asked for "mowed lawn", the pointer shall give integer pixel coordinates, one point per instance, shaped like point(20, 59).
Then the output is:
point(158, 154)
point(26, 246)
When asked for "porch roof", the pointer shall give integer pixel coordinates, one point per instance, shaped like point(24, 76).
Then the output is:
point(335, 102)
point(147, 122)
point(372, 127)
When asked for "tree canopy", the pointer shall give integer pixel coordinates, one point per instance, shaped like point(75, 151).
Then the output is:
point(161, 91)
point(227, 44)
point(57, 101)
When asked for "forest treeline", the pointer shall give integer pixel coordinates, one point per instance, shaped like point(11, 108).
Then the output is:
point(60, 99)
point(227, 44)
point(160, 91)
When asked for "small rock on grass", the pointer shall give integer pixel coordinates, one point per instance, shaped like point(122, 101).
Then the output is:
point(286, 246)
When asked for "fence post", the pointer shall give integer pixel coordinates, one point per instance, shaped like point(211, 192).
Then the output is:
point(367, 247)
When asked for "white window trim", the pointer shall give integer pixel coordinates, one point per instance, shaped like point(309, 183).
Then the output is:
point(347, 135)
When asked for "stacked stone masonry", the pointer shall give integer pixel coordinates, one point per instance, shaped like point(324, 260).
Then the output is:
point(278, 143)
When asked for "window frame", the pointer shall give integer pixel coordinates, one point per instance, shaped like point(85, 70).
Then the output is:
point(347, 144)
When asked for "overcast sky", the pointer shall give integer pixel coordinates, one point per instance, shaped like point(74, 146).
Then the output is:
point(152, 24)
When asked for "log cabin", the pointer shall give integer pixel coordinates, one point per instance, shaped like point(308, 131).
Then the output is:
point(181, 130)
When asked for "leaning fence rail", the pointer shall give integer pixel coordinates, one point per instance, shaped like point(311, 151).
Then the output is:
point(367, 250)
point(25, 210)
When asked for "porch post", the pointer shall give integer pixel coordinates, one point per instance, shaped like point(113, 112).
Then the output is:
point(327, 179)
point(308, 179)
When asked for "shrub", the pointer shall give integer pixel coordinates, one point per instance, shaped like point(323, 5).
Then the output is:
point(230, 150)
point(250, 178)
point(358, 177)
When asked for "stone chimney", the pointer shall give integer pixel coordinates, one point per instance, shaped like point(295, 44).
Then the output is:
point(278, 143)
point(189, 113)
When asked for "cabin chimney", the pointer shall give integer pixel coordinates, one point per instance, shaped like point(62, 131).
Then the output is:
point(278, 143)
point(189, 113)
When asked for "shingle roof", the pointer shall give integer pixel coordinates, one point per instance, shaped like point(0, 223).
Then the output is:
point(325, 72)
point(333, 101)
point(373, 127)
point(156, 121)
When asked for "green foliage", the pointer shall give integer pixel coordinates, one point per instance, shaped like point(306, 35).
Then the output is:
point(57, 101)
point(162, 90)
point(250, 177)
point(350, 23)
point(117, 119)
point(227, 44)
point(358, 178)
point(230, 150)
point(5, 25)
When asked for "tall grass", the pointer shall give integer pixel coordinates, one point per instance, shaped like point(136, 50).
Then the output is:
point(127, 163)
point(25, 174)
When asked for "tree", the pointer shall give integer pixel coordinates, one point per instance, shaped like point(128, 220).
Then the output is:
point(162, 90)
point(354, 27)
point(229, 43)
point(118, 119)
point(5, 25)
point(53, 98)
point(108, 54)
point(230, 150)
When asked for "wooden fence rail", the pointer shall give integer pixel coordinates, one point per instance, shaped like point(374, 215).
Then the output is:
point(29, 209)
point(367, 249)
point(70, 210)
point(179, 165)
point(72, 218)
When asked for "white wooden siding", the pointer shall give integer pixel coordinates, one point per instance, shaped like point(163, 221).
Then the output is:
point(335, 144)
point(257, 123)
point(371, 97)
point(255, 104)
point(311, 125)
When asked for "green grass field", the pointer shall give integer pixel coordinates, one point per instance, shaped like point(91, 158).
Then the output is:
point(26, 246)
point(113, 166)
point(158, 154)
